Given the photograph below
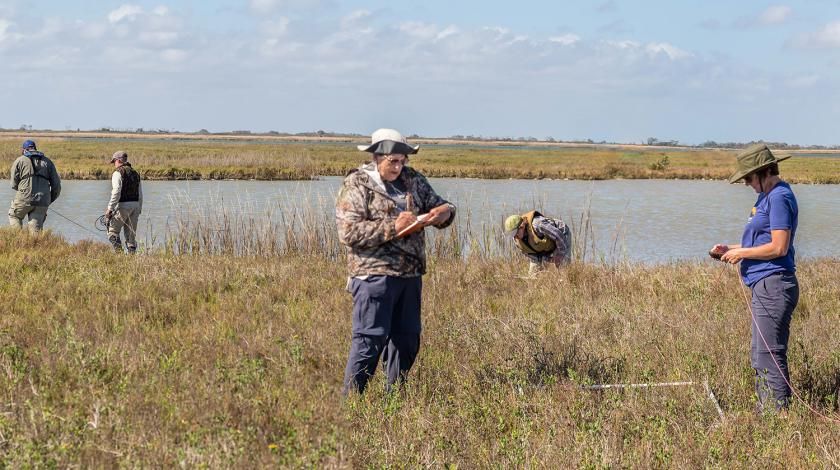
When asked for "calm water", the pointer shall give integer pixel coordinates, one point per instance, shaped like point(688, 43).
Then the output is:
point(641, 220)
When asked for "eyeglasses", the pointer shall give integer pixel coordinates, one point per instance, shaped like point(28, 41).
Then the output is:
point(396, 159)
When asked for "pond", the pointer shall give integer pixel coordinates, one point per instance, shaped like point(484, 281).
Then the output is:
point(636, 220)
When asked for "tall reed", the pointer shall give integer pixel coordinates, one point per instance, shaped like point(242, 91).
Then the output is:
point(283, 227)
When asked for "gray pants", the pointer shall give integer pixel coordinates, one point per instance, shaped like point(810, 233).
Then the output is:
point(773, 300)
point(386, 323)
point(125, 220)
point(37, 215)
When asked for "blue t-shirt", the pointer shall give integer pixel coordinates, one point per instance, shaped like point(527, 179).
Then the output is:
point(776, 210)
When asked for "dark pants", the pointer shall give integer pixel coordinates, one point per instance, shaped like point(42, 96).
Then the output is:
point(773, 300)
point(386, 322)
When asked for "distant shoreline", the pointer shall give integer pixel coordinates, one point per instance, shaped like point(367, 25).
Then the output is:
point(85, 156)
point(281, 138)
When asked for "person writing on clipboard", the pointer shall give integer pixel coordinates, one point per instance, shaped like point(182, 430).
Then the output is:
point(381, 211)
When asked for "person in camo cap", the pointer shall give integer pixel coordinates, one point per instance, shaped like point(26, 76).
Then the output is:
point(767, 265)
point(125, 204)
point(541, 239)
point(377, 203)
point(36, 181)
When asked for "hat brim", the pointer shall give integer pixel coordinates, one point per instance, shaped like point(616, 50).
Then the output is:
point(388, 147)
point(740, 174)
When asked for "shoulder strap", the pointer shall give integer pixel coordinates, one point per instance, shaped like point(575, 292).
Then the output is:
point(34, 167)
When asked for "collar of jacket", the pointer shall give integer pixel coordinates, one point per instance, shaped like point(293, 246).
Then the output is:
point(369, 169)
point(373, 173)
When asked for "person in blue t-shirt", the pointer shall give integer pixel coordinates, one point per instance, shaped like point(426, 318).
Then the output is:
point(766, 255)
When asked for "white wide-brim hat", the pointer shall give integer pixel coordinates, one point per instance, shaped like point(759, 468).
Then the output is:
point(388, 141)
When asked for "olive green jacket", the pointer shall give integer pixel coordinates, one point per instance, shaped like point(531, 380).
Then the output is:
point(35, 179)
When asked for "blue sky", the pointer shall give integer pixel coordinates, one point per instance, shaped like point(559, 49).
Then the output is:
point(614, 70)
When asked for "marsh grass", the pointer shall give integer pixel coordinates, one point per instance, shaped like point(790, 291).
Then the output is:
point(289, 226)
point(246, 228)
point(216, 360)
point(203, 159)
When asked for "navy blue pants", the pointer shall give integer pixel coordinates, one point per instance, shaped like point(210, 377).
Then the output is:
point(386, 323)
point(773, 300)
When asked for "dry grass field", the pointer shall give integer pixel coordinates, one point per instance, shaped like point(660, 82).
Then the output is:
point(216, 360)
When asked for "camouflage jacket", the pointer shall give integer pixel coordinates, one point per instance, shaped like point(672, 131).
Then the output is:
point(365, 216)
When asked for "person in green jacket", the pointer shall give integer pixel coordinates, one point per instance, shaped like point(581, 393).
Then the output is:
point(36, 181)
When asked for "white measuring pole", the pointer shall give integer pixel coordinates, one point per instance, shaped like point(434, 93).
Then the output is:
point(646, 385)
point(705, 383)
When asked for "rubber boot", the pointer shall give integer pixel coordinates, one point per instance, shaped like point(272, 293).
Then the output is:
point(116, 243)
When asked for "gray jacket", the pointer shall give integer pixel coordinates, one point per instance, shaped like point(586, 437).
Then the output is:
point(35, 179)
point(558, 231)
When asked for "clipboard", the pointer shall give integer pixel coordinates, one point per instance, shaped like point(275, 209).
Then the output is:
point(418, 225)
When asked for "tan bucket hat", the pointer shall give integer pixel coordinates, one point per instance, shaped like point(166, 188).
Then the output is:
point(388, 141)
point(753, 158)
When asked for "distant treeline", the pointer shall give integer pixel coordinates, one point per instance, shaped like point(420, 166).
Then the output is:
point(650, 141)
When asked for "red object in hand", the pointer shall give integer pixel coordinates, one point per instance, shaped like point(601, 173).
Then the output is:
point(717, 252)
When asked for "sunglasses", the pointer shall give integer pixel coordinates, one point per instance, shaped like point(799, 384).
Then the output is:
point(395, 159)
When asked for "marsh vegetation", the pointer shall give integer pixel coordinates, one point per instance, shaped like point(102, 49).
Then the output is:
point(280, 160)
point(220, 359)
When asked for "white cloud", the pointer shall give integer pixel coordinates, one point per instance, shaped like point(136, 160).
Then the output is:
point(652, 49)
point(158, 38)
point(125, 55)
point(8, 36)
point(275, 28)
point(516, 39)
point(263, 7)
point(497, 30)
point(419, 30)
point(91, 30)
point(276, 48)
point(624, 44)
point(426, 31)
point(173, 55)
point(124, 12)
point(450, 30)
point(565, 39)
point(775, 14)
point(354, 18)
point(673, 52)
point(827, 37)
point(4, 29)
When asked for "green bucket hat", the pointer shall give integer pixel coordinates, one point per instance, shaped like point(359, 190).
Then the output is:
point(753, 158)
point(512, 224)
